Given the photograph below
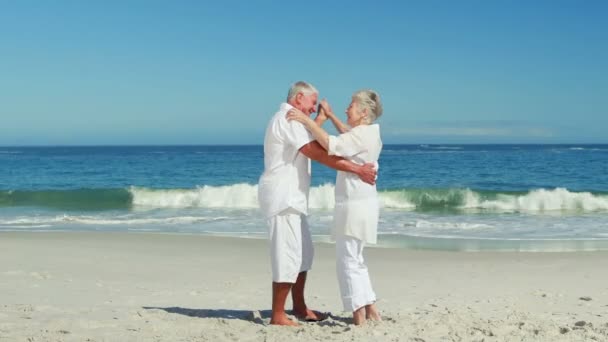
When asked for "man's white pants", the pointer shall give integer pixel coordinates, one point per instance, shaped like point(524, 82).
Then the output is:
point(291, 249)
point(355, 285)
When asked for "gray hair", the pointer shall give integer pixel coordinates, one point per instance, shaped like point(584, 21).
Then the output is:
point(371, 100)
point(301, 87)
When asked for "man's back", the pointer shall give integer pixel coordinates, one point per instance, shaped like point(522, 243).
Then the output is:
point(286, 178)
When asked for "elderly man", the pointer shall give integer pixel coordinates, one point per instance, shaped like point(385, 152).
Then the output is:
point(283, 196)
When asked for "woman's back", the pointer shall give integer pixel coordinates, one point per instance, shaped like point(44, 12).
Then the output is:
point(360, 145)
point(357, 208)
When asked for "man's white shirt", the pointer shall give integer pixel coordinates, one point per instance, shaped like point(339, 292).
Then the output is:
point(285, 182)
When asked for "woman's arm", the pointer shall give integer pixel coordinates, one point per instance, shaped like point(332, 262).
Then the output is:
point(340, 126)
point(321, 117)
point(317, 132)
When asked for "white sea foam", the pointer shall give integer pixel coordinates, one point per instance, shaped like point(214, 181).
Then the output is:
point(321, 197)
point(585, 149)
point(100, 220)
point(434, 225)
point(25, 226)
point(445, 148)
point(244, 196)
point(229, 196)
point(541, 200)
point(395, 200)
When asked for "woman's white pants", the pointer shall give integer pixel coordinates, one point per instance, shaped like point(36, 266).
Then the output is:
point(355, 285)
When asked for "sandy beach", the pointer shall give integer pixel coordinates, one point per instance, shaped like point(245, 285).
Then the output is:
point(95, 286)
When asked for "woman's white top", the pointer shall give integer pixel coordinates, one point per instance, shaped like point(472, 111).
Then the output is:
point(357, 206)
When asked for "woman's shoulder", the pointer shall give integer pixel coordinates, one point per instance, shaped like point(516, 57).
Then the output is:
point(372, 130)
point(367, 135)
point(366, 128)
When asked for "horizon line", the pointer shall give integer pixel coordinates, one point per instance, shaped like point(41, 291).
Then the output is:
point(237, 145)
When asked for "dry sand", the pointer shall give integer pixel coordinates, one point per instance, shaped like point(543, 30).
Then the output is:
point(158, 287)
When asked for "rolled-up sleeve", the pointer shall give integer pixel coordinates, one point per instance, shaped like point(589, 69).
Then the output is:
point(346, 145)
point(296, 134)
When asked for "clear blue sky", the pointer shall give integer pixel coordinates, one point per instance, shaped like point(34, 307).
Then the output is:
point(213, 72)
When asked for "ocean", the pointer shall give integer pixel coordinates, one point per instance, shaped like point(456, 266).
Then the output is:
point(444, 197)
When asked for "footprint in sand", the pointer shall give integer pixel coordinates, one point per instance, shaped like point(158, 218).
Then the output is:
point(41, 276)
point(256, 317)
point(20, 308)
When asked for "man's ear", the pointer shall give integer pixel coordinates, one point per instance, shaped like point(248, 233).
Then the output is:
point(299, 98)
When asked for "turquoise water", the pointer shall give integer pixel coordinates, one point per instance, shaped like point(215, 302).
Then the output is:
point(454, 197)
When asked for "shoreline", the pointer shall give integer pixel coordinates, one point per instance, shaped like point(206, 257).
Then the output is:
point(394, 241)
point(108, 286)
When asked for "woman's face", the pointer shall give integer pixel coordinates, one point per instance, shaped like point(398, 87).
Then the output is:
point(354, 115)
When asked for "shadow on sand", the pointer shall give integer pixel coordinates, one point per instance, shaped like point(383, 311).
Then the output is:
point(253, 316)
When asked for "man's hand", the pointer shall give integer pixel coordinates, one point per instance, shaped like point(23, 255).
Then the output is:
point(315, 151)
point(368, 173)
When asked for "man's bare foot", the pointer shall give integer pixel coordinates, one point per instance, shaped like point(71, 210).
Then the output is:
point(282, 320)
point(310, 315)
point(371, 313)
point(359, 316)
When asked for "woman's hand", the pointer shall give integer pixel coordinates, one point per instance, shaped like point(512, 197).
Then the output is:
point(321, 117)
point(298, 115)
point(326, 107)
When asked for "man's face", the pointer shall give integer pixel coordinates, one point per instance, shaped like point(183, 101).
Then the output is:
point(307, 103)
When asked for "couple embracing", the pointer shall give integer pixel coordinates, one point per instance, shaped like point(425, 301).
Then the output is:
point(292, 139)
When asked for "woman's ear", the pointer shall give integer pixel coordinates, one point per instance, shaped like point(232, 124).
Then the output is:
point(364, 116)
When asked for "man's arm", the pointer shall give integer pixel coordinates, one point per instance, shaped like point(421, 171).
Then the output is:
point(315, 151)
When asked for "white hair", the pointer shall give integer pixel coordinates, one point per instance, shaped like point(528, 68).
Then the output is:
point(301, 87)
point(370, 100)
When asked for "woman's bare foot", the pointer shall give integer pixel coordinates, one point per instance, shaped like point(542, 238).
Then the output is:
point(359, 316)
point(371, 313)
point(282, 319)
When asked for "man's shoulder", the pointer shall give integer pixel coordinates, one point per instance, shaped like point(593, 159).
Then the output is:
point(276, 126)
point(281, 112)
point(284, 107)
point(280, 123)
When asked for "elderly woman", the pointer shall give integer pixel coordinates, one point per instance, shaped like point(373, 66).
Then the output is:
point(357, 208)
